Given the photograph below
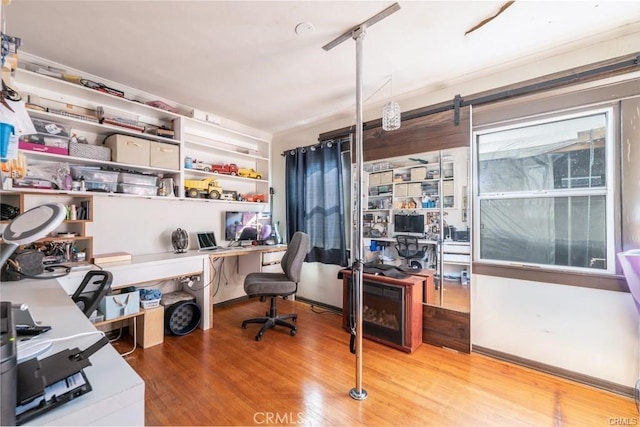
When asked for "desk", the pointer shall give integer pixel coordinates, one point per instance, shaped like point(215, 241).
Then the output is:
point(117, 397)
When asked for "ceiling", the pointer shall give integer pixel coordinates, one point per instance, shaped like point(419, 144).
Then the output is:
point(242, 60)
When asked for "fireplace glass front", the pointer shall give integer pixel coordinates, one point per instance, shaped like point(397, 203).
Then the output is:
point(382, 311)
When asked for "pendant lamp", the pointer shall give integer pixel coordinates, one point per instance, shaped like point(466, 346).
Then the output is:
point(391, 113)
point(391, 116)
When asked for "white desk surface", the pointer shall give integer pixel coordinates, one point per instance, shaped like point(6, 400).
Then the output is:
point(171, 256)
point(421, 241)
point(117, 397)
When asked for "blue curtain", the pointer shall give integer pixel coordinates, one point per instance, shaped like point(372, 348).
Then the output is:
point(315, 200)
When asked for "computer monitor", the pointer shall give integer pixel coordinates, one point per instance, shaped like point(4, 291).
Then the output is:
point(408, 223)
point(246, 225)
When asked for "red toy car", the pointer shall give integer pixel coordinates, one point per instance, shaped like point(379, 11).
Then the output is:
point(228, 169)
point(257, 197)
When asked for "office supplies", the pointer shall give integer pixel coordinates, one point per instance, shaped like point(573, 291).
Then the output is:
point(207, 241)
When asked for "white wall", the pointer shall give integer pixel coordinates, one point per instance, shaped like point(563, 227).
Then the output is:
point(590, 331)
point(587, 331)
point(142, 226)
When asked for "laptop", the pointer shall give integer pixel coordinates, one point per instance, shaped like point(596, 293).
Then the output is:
point(207, 241)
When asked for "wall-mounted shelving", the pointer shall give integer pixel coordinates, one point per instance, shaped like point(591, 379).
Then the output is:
point(69, 243)
point(196, 139)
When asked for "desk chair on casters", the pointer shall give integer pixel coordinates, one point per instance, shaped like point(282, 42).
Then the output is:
point(409, 249)
point(274, 285)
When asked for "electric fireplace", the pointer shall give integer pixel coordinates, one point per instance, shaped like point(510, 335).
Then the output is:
point(391, 309)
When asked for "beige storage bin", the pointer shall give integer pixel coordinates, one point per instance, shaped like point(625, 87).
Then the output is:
point(128, 149)
point(418, 174)
point(164, 156)
point(386, 177)
point(414, 189)
point(374, 179)
point(447, 188)
point(401, 190)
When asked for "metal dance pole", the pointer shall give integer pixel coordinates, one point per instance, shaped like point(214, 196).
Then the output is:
point(358, 33)
point(358, 392)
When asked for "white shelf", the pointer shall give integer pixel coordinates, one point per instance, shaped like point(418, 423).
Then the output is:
point(48, 157)
point(200, 174)
point(232, 152)
point(97, 128)
point(227, 143)
point(63, 91)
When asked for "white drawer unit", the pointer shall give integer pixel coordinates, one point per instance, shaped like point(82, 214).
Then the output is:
point(456, 253)
point(457, 258)
point(271, 261)
point(457, 249)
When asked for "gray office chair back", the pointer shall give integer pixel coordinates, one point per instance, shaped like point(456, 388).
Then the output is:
point(408, 246)
point(293, 258)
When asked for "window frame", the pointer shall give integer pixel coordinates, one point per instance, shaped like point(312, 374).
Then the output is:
point(610, 192)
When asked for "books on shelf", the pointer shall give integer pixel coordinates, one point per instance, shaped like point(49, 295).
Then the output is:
point(86, 117)
point(112, 257)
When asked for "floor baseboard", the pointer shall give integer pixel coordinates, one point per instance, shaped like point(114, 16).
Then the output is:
point(559, 372)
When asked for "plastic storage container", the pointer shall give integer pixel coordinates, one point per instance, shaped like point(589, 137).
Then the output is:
point(107, 187)
point(140, 190)
point(51, 137)
point(93, 174)
point(138, 179)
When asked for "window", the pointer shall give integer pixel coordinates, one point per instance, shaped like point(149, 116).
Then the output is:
point(545, 193)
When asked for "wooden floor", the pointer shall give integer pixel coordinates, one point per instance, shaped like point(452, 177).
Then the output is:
point(455, 296)
point(224, 377)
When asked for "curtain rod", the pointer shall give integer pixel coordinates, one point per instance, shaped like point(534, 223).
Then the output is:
point(320, 144)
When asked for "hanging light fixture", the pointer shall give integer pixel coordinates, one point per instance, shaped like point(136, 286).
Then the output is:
point(391, 114)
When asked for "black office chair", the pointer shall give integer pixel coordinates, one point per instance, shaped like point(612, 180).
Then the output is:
point(95, 285)
point(409, 249)
point(274, 285)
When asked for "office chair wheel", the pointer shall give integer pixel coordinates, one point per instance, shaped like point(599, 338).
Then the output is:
point(259, 336)
point(293, 332)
